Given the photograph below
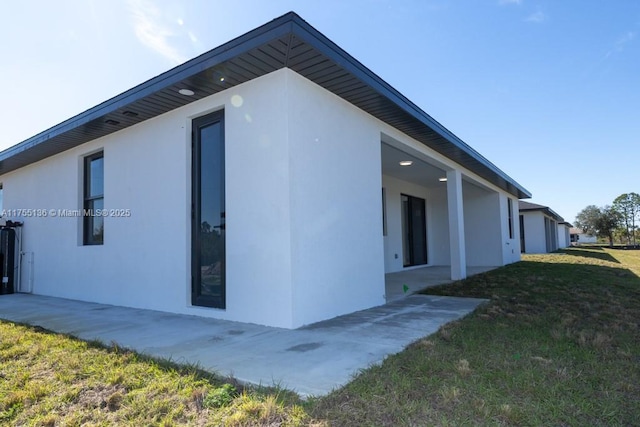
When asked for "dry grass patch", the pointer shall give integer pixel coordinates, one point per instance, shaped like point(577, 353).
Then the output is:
point(53, 380)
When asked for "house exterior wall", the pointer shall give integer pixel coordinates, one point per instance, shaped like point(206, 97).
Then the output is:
point(336, 216)
point(511, 251)
point(534, 232)
point(482, 224)
point(145, 259)
point(302, 244)
point(564, 239)
point(543, 234)
point(439, 248)
point(586, 238)
point(303, 213)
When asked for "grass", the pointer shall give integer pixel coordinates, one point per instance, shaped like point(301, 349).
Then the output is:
point(47, 379)
point(558, 344)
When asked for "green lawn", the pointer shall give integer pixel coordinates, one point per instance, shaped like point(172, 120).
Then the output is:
point(558, 344)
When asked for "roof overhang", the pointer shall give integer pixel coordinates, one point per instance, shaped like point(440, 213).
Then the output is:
point(287, 41)
point(546, 210)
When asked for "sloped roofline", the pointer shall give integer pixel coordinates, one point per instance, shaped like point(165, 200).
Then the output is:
point(287, 41)
point(533, 207)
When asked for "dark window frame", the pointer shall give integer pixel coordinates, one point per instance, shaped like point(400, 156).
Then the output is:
point(522, 236)
point(88, 201)
point(422, 204)
point(197, 298)
point(510, 215)
point(384, 212)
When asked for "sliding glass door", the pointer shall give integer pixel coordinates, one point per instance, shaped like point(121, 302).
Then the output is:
point(414, 231)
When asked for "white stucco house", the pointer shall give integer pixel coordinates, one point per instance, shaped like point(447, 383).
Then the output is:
point(273, 180)
point(578, 236)
point(541, 229)
point(564, 234)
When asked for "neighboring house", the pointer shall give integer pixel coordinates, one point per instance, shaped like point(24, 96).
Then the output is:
point(579, 236)
point(564, 234)
point(246, 184)
point(541, 229)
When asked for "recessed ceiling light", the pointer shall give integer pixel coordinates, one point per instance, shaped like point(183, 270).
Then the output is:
point(222, 78)
point(443, 179)
point(186, 92)
point(112, 122)
point(406, 162)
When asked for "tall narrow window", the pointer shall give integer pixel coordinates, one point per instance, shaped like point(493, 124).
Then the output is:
point(384, 212)
point(208, 219)
point(510, 213)
point(93, 227)
point(1, 200)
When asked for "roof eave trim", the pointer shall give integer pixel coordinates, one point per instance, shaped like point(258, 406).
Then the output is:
point(274, 29)
point(342, 58)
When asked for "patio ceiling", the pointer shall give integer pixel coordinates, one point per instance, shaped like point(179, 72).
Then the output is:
point(287, 41)
point(419, 172)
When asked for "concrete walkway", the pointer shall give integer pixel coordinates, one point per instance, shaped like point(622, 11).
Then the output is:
point(311, 360)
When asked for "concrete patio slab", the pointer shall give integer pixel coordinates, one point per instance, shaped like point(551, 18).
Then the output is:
point(311, 360)
point(418, 279)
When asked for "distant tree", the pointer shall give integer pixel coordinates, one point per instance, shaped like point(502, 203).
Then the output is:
point(599, 221)
point(587, 219)
point(628, 206)
point(608, 222)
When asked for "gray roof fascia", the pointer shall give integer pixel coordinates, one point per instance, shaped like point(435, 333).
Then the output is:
point(290, 25)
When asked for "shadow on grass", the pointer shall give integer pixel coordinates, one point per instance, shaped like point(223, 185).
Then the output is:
point(593, 246)
point(597, 253)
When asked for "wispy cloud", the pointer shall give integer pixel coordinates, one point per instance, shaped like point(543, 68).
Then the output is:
point(624, 40)
point(621, 43)
point(537, 17)
point(153, 30)
point(509, 1)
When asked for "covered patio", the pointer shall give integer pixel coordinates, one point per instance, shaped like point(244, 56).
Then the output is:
point(439, 223)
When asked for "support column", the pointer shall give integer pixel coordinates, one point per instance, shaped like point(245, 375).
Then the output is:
point(456, 225)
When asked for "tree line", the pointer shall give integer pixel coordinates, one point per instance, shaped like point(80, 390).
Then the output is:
point(613, 222)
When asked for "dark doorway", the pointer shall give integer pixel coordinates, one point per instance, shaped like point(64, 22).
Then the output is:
point(414, 231)
point(208, 212)
point(522, 247)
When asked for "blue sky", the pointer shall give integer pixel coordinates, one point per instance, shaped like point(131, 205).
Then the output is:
point(547, 90)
